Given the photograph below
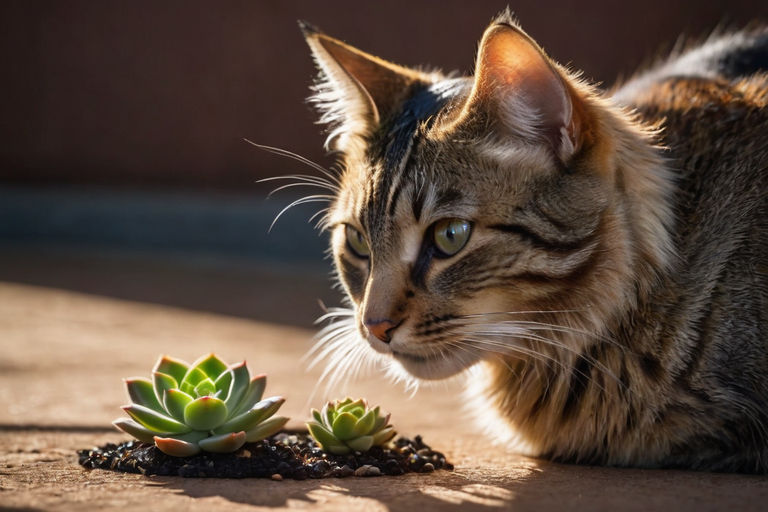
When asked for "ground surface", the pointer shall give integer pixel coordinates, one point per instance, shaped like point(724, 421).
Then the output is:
point(64, 353)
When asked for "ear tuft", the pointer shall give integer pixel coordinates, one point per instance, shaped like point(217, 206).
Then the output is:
point(307, 29)
point(506, 17)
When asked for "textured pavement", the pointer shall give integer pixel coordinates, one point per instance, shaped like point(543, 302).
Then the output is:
point(64, 354)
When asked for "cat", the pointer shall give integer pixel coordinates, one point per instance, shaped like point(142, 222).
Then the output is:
point(593, 263)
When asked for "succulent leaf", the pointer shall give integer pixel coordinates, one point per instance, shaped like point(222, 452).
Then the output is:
point(344, 426)
point(207, 406)
point(347, 425)
point(353, 406)
point(176, 447)
point(223, 382)
point(193, 377)
point(253, 394)
point(194, 436)
point(205, 413)
point(338, 449)
point(266, 428)
point(224, 443)
point(249, 419)
point(384, 436)
point(154, 420)
point(175, 401)
point(361, 444)
point(240, 380)
point(140, 432)
point(323, 436)
point(328, 415)
point(365, 424)
point(162, 382)
point(176, 368)
point(210, 365)
point(206, 387)
point(142, 392)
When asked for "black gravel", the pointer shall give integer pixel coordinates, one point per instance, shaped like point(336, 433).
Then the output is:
point(284, 455)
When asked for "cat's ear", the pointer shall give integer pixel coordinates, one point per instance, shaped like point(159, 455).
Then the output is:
point(517, 83)
point(354, 91)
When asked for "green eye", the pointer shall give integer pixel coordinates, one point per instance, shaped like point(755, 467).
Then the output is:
point(451, 235)
point(357, 243)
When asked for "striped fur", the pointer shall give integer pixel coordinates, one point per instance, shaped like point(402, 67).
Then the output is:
point(611, 304)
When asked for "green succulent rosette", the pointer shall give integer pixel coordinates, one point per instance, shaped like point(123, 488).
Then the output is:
point(350, 425)
point(206, 406)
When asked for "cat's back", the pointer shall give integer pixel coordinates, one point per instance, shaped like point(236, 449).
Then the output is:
point(711, 105)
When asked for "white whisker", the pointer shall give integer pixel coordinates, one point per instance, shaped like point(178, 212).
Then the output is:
point(298, 158)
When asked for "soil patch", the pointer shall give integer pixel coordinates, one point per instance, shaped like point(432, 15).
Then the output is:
point(284, 455)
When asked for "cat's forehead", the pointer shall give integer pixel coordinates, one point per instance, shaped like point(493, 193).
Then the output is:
point(422, 164)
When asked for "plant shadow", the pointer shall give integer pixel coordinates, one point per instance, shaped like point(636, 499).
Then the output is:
point(442, 490)
point(505, 483)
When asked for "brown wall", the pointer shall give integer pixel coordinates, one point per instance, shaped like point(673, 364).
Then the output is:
point(163, 92)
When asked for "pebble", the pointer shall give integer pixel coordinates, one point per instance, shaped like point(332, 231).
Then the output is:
point(277, 476)
point(427, 468)
point(367, 470)
point(320, 468)
point(343, 472)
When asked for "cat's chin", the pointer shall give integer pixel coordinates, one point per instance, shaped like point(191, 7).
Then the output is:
point(432, 368)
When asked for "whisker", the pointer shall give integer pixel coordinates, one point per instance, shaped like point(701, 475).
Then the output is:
point(297, 157)
point(317, 198)
point(540, 355)
point(293, 185)
point(549, 342)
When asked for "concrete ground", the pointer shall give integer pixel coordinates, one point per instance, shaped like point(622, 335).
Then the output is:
point(64, 353)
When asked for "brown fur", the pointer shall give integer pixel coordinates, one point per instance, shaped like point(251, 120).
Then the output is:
point(612, 299)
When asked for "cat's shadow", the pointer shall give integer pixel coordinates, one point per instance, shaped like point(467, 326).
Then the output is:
point(442, 490)
point(525, 484)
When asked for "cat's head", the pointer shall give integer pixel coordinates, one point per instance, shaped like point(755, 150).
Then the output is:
point(469, 209)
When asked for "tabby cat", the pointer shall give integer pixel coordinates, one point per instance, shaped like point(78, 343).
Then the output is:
point(594, 263)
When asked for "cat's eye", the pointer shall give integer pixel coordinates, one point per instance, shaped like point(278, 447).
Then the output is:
point(450, 235)
point(356, 242)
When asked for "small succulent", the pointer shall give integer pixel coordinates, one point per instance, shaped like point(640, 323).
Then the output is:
point(206, 406)
point(350, 425)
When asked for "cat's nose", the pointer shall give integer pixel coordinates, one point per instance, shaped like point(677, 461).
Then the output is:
point(382, 329)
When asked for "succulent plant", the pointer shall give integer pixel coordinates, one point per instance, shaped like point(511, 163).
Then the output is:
point(206, 406)
point(350, 425)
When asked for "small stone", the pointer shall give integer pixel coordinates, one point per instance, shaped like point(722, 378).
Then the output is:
point(367, 470)
point(319, 468)
point(244, 453)
point(344, 471)
point(277, 476)
point(427, 468)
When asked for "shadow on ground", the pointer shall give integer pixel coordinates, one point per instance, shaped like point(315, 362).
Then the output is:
point(525, 484)
point(289, 294)
point(211, 252)
point(441, 491)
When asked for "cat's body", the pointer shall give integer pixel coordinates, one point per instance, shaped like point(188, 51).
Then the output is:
point(605, 272)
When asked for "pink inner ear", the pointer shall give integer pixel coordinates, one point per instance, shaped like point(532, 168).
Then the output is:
point(511, 65)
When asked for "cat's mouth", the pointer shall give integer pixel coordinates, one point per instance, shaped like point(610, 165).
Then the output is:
point(432, 366)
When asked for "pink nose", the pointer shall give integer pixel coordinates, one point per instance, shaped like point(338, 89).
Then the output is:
point(382, 329)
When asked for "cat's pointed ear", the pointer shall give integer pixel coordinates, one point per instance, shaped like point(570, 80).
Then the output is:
point(354, 91)
point(518, 84)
